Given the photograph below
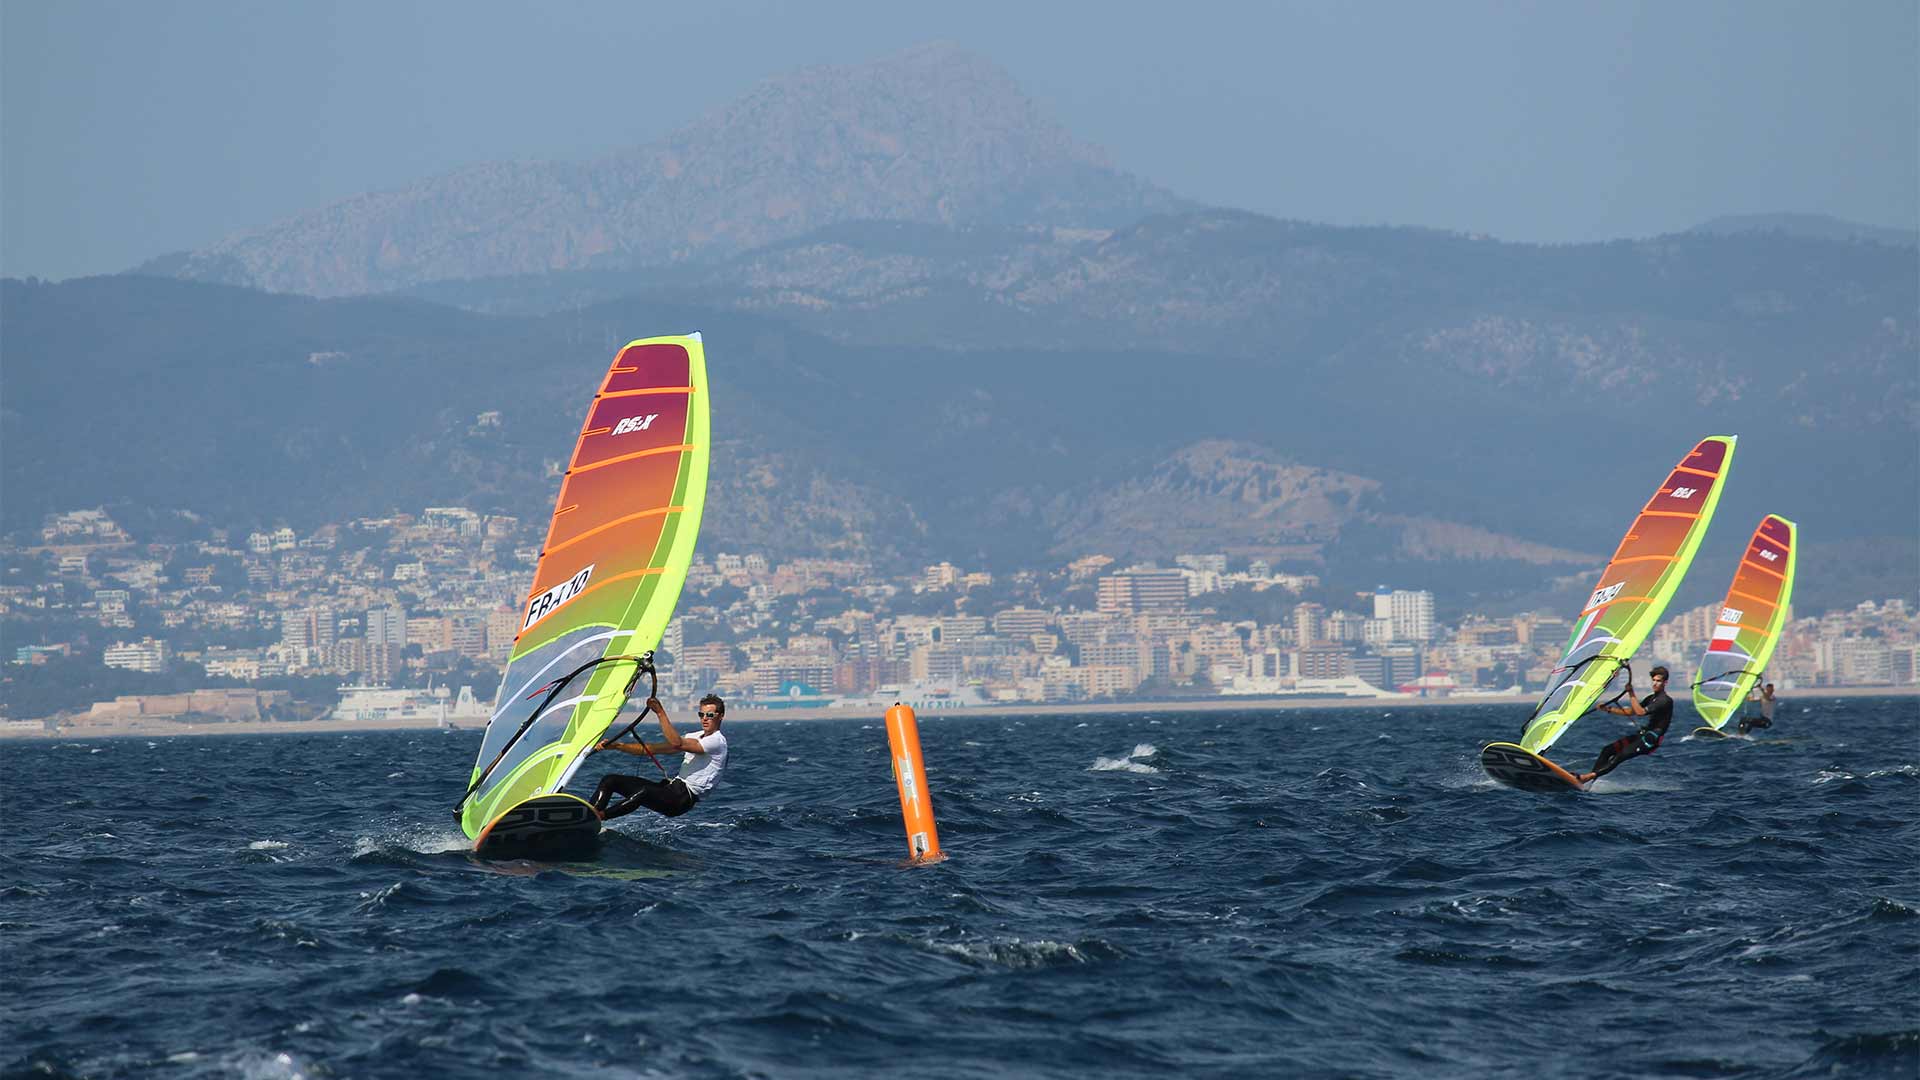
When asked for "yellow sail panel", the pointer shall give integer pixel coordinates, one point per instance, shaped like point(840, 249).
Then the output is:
point(609, 576)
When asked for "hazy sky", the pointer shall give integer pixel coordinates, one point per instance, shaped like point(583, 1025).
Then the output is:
point(130, 129)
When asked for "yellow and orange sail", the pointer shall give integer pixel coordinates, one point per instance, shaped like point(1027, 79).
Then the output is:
point(608, 578)
point(1633, 590)
point(1749, 622)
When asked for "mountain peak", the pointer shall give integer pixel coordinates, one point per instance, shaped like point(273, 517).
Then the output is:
point(937, 100)
point(931, 134)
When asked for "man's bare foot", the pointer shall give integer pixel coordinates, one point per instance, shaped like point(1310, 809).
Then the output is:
point(1587, 777)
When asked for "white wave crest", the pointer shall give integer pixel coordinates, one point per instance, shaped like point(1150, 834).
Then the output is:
point(421, 840)
point(1016, 953)
point(258, 1066)
point(371, 902)
point(1133, 762)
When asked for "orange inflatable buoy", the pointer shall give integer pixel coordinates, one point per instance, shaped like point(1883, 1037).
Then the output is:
point(916, 805)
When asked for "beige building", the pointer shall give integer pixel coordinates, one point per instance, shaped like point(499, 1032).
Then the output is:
point(227, 704)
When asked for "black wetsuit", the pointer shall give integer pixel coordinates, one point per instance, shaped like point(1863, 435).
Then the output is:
point(668, 797)
point(1645, 741)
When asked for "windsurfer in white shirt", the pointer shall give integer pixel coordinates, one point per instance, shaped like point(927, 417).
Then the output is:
point(706, 757)
point(1765, 719)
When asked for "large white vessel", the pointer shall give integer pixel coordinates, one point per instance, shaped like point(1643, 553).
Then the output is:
point(381, 704)
point(921, 697)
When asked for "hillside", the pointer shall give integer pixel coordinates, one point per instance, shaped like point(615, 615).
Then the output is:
point(254, 409)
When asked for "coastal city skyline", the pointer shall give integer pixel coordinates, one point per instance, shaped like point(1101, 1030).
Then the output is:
point(404, 600)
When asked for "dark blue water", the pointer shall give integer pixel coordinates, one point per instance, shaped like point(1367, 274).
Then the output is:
point(1334, 893)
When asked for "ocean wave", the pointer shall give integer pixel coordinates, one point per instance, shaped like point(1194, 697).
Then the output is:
point(280, 930)
point(1016, 954)
point(408, 841)
point(1336, 779)
point(374, 901)
point(1884, 908)
point(270, 1065)
point(1878, 1053)
point(1135, 761)
point(1449, 957)
point(1301, 902)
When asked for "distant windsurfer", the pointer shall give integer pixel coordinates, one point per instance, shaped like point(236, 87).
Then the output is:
point(1765, 719)
point(700, 768)
point(1657, 707)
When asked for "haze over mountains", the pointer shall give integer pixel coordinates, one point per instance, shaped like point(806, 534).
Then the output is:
point(939, 327)
point(933, 134)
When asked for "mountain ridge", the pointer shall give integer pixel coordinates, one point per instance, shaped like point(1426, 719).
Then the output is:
point(253, 408)
point(933, 134)
point(1811, 226)
point(1730, 322)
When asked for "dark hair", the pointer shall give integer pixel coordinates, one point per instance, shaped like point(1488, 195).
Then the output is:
point(1660, 671)
point(714, 700)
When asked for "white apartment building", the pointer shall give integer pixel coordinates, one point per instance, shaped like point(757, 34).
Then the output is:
point(1410, 611)
point(147, 655)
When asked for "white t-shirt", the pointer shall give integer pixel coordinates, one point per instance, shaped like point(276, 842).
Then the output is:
point(701, 771)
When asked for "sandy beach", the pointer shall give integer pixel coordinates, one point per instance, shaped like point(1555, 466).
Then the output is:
point(152, 727)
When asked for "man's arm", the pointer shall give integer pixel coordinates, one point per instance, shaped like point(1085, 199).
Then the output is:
point(676, 743)
point(637, 748)
point(688, 744)
point(1634, 708)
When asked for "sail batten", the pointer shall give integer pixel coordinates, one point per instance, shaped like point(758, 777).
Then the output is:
point(1647, 566)
point(1744, 638)
point(601, 596)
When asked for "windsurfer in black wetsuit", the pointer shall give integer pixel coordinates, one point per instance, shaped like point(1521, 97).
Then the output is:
point(1657, 707)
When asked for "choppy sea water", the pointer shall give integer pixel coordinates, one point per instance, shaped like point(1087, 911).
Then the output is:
point(1303, 893)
